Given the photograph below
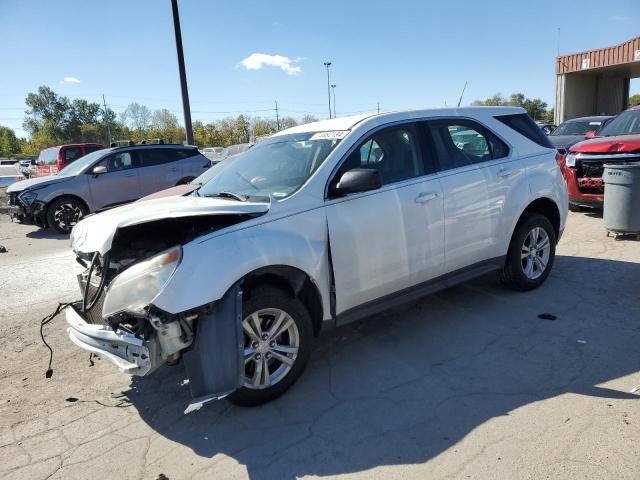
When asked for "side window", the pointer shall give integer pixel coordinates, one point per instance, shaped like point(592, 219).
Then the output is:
point(524, 125)
point(156, 156)
point(120, 161)
point(460, 143)
point(71, 154)
point(499, 149)
point(394, 152)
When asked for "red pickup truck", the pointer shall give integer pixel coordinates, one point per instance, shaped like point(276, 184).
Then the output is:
point(618, 141)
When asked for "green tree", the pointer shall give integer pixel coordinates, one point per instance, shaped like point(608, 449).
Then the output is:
point(9, 143)
point(536, 108)
point(138, 118)
point(634, 100)
point(46, 111)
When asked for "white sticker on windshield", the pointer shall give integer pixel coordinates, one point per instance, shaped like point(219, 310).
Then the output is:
point(334, 135)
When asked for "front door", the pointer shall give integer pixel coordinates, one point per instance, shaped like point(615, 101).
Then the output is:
point(390, 239)
point(119, 184)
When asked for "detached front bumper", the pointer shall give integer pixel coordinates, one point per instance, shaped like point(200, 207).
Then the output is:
point(30, 214)
point(127, 352)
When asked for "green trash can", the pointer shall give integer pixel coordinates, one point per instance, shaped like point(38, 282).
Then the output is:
point(622, 197)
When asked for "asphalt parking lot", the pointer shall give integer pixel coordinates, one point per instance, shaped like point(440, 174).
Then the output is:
point(468, 383)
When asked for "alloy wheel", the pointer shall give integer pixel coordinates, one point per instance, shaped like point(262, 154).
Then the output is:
point(67, 215)
point(271, 344)
point(535, 253)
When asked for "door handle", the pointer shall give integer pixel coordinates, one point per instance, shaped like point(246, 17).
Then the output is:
point(505, 172)
point(425, 197)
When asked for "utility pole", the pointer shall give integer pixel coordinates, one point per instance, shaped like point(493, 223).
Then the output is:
point(104, 102)
point(183, 75)
point(378, 107)
point(277, 116)
point(333, 89)
point(328, 64)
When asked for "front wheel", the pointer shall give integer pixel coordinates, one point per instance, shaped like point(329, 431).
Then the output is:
point(277, 343)
point(531, 254)
point(64, 213)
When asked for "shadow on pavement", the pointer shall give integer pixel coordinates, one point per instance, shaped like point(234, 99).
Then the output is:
point(402, 387)
point(47, 233)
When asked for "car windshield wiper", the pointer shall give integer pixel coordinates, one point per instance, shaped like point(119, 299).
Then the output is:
point(236, 196)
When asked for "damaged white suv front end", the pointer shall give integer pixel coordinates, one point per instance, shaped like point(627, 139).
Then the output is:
point(131, 255)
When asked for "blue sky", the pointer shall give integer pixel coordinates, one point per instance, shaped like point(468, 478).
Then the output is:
point(403, 54)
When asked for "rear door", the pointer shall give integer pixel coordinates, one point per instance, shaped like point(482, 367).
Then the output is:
point(119, 184)
point(159, 169)
point(474, 191)
point(386, 240)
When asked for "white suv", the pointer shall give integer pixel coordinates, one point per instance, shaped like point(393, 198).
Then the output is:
point(317, 226)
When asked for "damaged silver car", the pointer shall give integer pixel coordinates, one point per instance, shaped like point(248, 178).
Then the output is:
point(317, 226)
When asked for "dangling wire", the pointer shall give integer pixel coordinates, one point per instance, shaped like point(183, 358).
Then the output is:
point(43, 322)
point(89, 304)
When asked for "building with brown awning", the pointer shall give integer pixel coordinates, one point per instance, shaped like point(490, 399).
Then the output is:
point(596, 82)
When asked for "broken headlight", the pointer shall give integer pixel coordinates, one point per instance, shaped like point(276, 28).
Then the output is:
point(28, 197)
point(137, 286)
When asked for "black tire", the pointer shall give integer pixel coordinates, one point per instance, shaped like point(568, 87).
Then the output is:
point(63, 213)
point(270, 297)
point(574, 208)
point(512, 275)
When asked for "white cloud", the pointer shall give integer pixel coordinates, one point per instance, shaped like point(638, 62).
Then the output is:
point(256, 61)
point(620, 18)
point(70, 80)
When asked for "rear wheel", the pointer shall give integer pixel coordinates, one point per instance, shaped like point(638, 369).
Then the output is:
point(64, 213)
point(531, 253)
point(278, 334)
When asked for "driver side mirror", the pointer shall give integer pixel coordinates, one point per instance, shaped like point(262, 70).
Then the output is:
point(358, 180)
point(99, 170)
point(590, 134)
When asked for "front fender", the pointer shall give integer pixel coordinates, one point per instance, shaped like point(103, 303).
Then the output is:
point(211, 265)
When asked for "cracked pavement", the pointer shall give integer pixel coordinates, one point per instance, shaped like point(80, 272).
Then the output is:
point(467, 383)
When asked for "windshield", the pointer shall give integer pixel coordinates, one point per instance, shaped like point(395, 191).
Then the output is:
point(276, 167)
point(81, 164)
point(627, 123)
point(576, 127)
point(212, 172)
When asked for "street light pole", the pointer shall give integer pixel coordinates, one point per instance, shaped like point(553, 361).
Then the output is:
point(333, 89)
point(328, 64)
point(183, 75)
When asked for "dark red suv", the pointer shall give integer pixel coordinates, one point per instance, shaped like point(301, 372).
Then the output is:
point(52, 160)
point(618, 141)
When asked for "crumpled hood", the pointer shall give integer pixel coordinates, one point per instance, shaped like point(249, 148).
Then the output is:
point(95, 233)
point(35, 182)
point(613, 144)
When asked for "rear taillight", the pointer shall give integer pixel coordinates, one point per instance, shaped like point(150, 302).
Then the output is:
point(59, 161)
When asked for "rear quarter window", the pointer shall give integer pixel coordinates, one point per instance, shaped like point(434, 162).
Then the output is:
point(525, 126)
point(48, 156)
